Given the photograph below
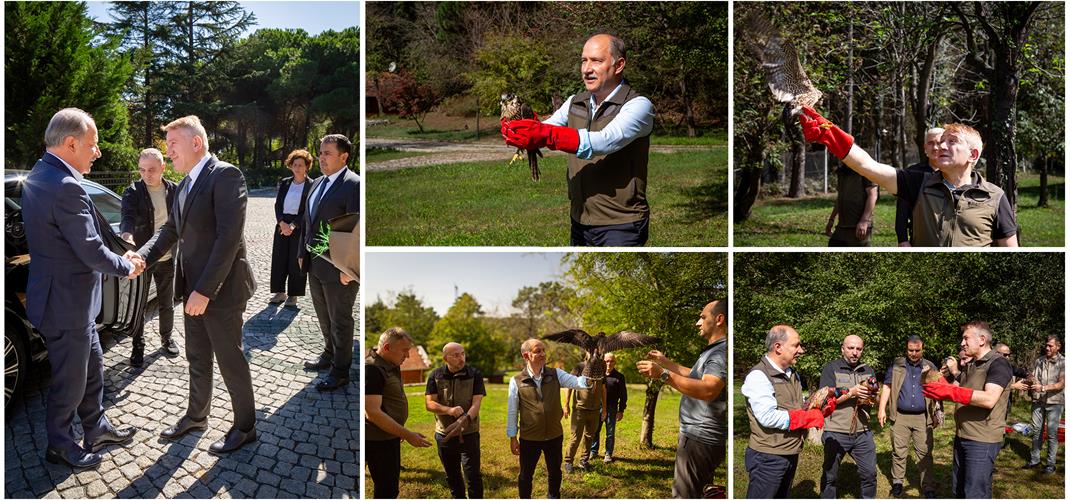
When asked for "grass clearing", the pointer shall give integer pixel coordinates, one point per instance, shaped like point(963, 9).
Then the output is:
point(491, 203)
point(801, 222)
point(1009, 481)
point(635, 472)
point(375, 154)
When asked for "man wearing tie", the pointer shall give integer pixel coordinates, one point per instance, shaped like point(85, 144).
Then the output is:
point(63, 295)
point(334, 194)
point(212, 276)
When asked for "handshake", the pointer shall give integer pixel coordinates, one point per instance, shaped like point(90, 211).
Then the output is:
point(137, 261)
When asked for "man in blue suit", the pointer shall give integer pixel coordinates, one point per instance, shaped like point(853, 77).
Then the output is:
point(63, 294)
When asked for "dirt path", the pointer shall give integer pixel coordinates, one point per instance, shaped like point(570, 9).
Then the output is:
point(458, 152)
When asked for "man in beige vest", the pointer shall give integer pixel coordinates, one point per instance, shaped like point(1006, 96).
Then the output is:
point(913, 417)
point(385, 411)
point(534, 416)
point(1048, 400)
point(981, 415)
point(606, 131)
point(587, 409)
point(454, 393)
point(775, 410)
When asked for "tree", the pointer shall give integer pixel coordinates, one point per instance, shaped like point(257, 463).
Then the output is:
point(142, 27)
point(414, 99)
point(465, 324)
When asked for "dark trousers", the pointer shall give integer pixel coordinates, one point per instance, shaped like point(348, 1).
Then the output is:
point(864, 452)
point(163, 273)
point(456, 456)
point(384, 464)
point(631, 234)
point(218, 332)
point(529, 458)
point(695, 463)
point(971, 468)
point(76, 387)
point(284, 262)
point(770, 476)
point(611, 434)
point(334, 302)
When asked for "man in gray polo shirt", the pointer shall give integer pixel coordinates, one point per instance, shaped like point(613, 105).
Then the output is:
point(847, 428)
point(703, 402)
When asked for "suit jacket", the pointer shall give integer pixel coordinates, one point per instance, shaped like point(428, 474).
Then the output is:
point(139, 215)
point(280, 197)
point(67, 255)
point(209, 231)
point(342, 197)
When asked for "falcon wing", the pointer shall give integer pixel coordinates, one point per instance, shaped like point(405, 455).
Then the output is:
point(627, 340)
point(785, 76)
point(574, 336)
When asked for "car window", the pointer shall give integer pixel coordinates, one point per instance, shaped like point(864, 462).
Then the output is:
point(107, 203)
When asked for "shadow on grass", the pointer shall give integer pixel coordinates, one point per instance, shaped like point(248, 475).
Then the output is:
point(705, 201)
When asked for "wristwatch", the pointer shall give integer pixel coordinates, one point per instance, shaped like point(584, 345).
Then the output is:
point(292, 226)
point(664, 377)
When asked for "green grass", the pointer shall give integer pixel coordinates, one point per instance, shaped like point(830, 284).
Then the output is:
point(494, 204)
point(1008, 481)
point(636, 472)
point(714, 138)
point(384, 154)
point(801, 222)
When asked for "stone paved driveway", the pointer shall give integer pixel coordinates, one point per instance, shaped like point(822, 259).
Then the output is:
point(308, 441)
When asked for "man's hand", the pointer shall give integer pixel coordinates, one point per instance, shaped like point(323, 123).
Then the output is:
point(830, 226)
point(882, 416)
point(604, 414)
point(137, 261)
point(344, 278)
point(649, 369)
point(859, 391)
point(657, 357)
point(565, 411)
point(414, 438)
point(861, 229)
point(1020, 386)
point(905, 244)
point(533, 134)
point(620, 416)
point(817, 129)
point(514, 446)
point(196, 304)
point(129, 238)
point(455, 412)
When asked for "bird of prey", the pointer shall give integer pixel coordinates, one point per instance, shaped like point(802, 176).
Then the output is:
point(596, 346)
point(514, 108)
point(785, 76)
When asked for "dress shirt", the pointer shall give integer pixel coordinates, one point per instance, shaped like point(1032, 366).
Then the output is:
point(634, 120)
point(291, 204)
point(567, 381)
point(77, 175)
point(759, 393)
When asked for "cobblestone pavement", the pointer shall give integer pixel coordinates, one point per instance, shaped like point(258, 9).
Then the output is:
point(308, 441)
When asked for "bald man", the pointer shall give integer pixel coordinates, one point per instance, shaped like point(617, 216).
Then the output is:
point(847, 428)
point(455, 392)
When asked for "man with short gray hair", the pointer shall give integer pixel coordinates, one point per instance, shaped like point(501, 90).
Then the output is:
point(904, 230)
point(1047, 408)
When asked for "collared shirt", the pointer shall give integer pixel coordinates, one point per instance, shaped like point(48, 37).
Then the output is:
point(77, 175)
point(759, 393)
point(1048, 372)
point(292, 203)
point(466, 371)
point(634, 120)
point(910, 400)
point(196, 171)
point(707, 421)
point(326, 184)
point(566, 380)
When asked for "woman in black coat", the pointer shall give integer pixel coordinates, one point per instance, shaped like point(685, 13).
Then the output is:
point(290, 205)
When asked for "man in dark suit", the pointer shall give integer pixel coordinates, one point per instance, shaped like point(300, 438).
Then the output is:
point(146, 203)
point(334, 194)
point(63, 294)
point(212, 276)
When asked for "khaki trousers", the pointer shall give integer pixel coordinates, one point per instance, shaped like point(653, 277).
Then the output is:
point(905, 429)
point(585, 425)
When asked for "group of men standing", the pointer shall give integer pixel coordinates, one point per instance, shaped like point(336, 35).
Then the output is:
point(910, 399)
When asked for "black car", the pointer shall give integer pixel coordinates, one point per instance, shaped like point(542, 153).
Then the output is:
point(123, 301)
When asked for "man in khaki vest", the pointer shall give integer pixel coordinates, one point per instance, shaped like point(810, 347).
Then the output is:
point(588, 410)
point(1048, 400)
point(534, 416)
point(386, 410)
point(982, 414)
point(455, 392)
point(913, 417)
point(956, 207)
point(606, 131)
point(775, 410)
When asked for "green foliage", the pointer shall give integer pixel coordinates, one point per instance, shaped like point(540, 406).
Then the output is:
point(466, 324)
point(405, 310)
point(516, 65)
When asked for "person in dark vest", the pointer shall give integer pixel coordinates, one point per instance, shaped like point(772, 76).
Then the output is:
point(616, 402)
point(534, 416)
point(701, 445)
point(912, 416)
point(982, 413)
point(146, 203)
point(385, 412)
point(775, 411)
point(903, 233)
point(455, 392)
point(852, 215)
point(291, 200)
point(606, 131)
point(847, 429)
point(955, 207)
point(587, 410)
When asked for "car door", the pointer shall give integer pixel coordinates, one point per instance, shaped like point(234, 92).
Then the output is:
point(122, 300)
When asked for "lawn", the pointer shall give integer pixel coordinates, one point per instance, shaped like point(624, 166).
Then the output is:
point(801, 222)
point(493, 204)
point(635, 472)
point(383, 154)
point(1008, 481)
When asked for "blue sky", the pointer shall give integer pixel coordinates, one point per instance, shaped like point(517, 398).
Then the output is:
point(313, 17)
point(492, 278)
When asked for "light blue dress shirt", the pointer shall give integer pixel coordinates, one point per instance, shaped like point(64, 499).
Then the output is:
point(567, 381)
point(759, 393)
point(634, 120)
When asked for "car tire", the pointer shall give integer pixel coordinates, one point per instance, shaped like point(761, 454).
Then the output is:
point(16, 367)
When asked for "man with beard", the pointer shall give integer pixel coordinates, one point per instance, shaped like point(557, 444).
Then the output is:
point(847, 429)
point(911, 416)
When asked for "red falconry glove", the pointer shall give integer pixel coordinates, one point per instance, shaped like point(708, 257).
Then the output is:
point(830, 406)
point(805, 419)
point(947, 392)
point(533, 134)
point(817, 129)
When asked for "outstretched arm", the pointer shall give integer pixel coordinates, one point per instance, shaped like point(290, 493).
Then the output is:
point(818, 129)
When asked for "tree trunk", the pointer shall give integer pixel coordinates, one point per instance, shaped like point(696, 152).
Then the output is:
point(1043, 202)
point(378, 97)
point(750, 184)
point(689, 116)
point(848, 119)
point(1002, 163)
point(921, 96)
point(797, 167)
point(646, 432)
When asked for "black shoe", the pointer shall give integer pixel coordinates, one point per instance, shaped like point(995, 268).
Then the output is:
point(169, 347)
point(897, 490)
point(1030, 466)
point(76, 459)
point(184, 425)
point(331, 383)
point(233, 440)
point(1049, 469)
point(137, 357)
point(114, 436)
point(930, 494)
point(320, 363)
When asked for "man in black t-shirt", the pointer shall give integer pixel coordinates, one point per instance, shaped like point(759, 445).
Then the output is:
point(904, 233)
point(616, 402)
point(856, 197)
point(454, 394)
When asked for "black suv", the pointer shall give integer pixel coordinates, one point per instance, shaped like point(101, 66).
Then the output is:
point(123, 301)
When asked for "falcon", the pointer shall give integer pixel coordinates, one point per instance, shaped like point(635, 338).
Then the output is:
point(514, 108)
point(783, 73)
point(596, 346)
